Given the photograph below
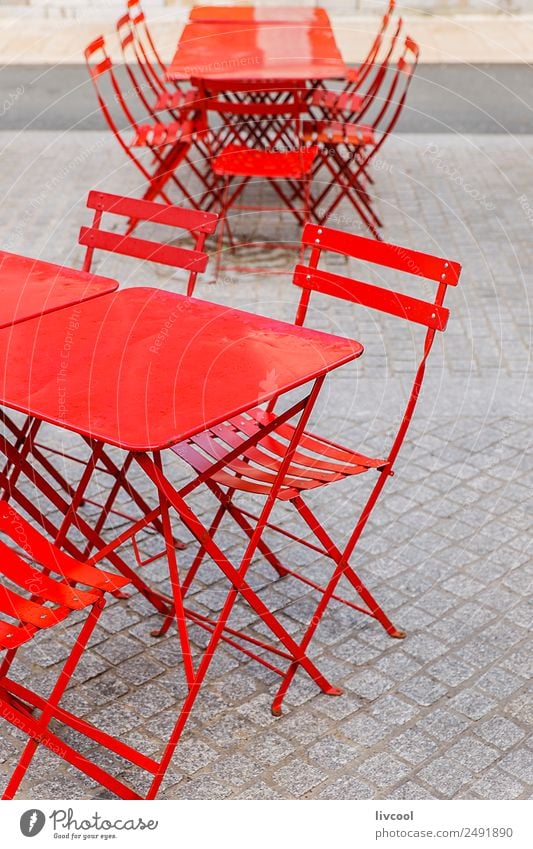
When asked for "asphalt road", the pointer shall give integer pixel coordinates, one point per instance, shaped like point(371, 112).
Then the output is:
point(443, 98)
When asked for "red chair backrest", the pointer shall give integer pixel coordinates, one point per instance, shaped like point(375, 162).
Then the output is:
point(198, 224)
point(432, 314)
point(429, 313)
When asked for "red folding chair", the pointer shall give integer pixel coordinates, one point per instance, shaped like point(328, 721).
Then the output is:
point(357, 76)
point(256, 137)
point(318, 461)
point(151, 89)
point(198, 224)
point(147, 52)
point(165, 144)
point(347, 150)
point(40, 587)
point(355, 100)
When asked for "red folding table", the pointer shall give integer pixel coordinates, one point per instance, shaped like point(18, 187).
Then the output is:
point(258, 49)
point(151, 369)
point(32, 287)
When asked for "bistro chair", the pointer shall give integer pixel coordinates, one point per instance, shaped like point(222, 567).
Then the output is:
point(255, 137)
point(347, 150)
point(357, 77)
point(95, 237)
point(156, 148)
point(198, 224)
point(145, 47)
point(319, 461)
point(150, 86)
point(354, 101)
point(40, 588)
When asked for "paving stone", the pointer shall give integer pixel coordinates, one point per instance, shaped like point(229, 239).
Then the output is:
point(473, 754)
point(451, 671)
point(299, 778)
point(423, 690)
point(495, 784)
point(445, 776)
point(332, 754)
point(443, 725)
point(259, 791)
point(498, 683)
point(410, 790)
point(520, 764)
point(368, 684)
point(393, 710)
point(413, 746)
point(347, 787)
point(204, 787)
point(501, 732)
point(473, 704)
point(364, 730)
point(269, 749)
point(384, 770)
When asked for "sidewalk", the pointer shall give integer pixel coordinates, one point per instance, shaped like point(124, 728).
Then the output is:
point(30, 39)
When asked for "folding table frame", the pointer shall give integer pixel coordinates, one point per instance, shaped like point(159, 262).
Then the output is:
point(318, 353)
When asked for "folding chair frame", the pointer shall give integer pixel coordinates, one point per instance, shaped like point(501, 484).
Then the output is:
point(226, 478)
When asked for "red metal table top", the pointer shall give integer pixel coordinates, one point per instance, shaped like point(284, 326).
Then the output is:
point(31, 287)
point(261, 14)
point(252, 50)
point(148, 368)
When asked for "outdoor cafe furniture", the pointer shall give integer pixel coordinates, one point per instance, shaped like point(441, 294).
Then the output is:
point(165, 392)
point(40, 587)
point(32, 287)
point(156, 147)
point(256, 139)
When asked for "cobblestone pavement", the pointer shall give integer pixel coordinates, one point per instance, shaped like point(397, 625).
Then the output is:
point(444, 713)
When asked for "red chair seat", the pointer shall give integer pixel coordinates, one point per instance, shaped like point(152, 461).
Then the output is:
point(337, 132)
point(319, 463)
point(241, 161)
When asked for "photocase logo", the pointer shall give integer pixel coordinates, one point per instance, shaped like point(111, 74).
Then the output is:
point(32, 822)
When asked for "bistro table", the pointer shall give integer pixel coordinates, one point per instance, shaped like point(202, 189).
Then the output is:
point(261, 14)
point(258, 47)
point(32, 287)
point(149, 370)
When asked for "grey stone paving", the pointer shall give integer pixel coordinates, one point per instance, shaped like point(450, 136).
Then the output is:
point(444, 713)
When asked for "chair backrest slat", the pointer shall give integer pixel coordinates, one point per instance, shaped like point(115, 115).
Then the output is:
point(368, 295)
point(380, 253)
point(191, 260)
point(145, 210)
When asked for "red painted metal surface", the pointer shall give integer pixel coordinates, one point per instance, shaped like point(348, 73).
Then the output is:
point(32, 287)
point(255, 134)
point(347, 161)
point(238, 456)
point(156, 148)
point(198, 224)
point(257, 51)
point(315, 16)
point(168, 362)
point(39, 590)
